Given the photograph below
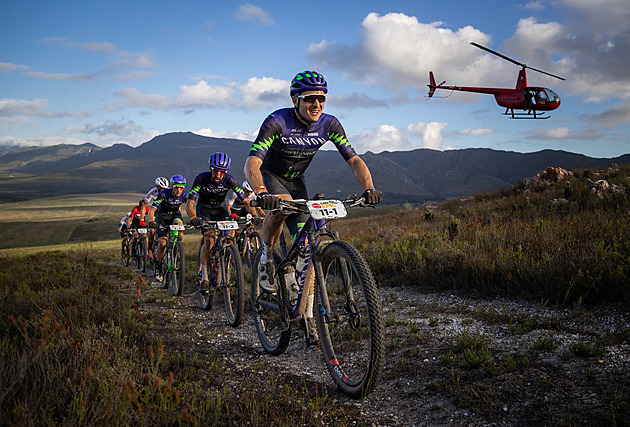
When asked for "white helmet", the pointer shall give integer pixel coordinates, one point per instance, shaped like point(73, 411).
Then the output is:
point(161, 182)
point(246, 186)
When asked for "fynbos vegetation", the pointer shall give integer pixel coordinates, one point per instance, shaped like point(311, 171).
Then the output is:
point(560, 239)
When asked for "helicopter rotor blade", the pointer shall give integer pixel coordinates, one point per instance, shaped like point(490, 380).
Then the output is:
point(513, 61)
point(544, 72)
point(498, 54)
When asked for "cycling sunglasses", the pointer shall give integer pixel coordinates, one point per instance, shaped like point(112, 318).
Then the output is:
point(218, 171)
point(312, 98)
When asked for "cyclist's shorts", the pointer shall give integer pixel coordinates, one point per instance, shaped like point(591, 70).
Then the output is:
point(135, 223)
point(297, 189)
point(167, 220)
point(211, 213)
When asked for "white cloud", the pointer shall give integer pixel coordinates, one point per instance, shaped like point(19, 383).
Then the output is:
point(476, 132)
point(256, 92)
point(7, 67)
point(383, 138)
point(247, 136)
point(430, 133)
point(203, 94)
point(533, 5)
point(250, 12)
point(403, 50)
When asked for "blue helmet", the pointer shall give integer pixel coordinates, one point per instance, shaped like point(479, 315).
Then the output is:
point(220, 161)
point(178, 180)
point(308, 80)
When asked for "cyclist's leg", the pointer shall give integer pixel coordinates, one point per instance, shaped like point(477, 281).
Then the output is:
point(150, 238)
point(208, 213)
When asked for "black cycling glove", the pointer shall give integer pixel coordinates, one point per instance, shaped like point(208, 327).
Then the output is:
point(268, 201)
point(196, 221)
point(372, 197)
point(152, 224)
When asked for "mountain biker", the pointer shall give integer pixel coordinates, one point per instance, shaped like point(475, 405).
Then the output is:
point(161, 183)
point(166, 210)
point(122, 228)
point(134, 222)
point(286, 143)
point(209, 191)
point(235, 205)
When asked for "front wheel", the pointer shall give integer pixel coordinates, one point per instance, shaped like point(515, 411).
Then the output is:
point(232, 285)
point(206, 299)
point(177, 269)
point(141, 254)
point(125, 252)
point(273, 331)
point(253, 242)
point(349, 320)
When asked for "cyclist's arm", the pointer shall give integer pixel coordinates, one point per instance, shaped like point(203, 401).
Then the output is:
point(253, 174)
point(152, 213)
point(361, 172)
point(190, 208)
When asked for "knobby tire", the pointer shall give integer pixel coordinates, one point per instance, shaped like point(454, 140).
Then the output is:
point(351, 335)
point(233, 285)
point(177, 269)
point(272, 335)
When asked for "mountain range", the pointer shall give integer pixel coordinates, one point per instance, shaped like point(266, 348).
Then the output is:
point(415, 176)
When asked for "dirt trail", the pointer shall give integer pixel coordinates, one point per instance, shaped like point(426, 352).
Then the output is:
point(529, 372)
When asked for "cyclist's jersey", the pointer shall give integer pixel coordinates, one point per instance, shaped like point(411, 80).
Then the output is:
point(135, 212)
point(151, 195)
point(123, 220)
point(208, 193)
point(287, 146)
point(167, 204)
point(236, 203)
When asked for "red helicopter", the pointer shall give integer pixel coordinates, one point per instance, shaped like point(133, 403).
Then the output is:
point(531, 99)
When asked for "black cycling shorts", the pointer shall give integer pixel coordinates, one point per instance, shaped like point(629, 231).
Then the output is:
point(167, 220)
point(211, 213)
point(296, 188)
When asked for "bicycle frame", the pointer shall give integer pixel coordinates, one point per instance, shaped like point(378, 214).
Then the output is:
point(309, 238)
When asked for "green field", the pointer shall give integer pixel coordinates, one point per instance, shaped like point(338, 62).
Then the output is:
point(71, 219)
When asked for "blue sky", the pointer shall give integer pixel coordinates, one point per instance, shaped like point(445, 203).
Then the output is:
point(124, 72)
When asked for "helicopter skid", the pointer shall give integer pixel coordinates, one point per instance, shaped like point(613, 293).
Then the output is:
point(526, 116)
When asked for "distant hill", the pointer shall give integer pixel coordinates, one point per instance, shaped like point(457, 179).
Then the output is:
point(404, 176)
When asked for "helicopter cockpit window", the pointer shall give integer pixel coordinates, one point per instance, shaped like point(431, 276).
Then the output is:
point(552, 95)
point(542, 94)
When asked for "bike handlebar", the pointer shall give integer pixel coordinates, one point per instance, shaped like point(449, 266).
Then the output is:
point(299, 205)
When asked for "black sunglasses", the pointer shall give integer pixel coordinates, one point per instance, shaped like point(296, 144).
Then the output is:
point(312, 98)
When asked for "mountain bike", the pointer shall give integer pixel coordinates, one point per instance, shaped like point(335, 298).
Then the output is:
point(248, 241)
point(141, 249)
point(125, 248)
point(172, 265)
point(225, 272)
point(346, 304)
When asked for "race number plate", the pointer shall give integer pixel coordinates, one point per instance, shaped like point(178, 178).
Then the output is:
point(326, 209)
point(227, 225)
point(178, 227)
point(142, 230)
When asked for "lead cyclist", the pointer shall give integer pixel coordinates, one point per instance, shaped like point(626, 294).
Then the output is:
point(286, 143)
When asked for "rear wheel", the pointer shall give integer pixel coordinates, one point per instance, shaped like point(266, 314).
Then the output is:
point(232, 285)
point(351, 327)
point(273, 332)
point(177, 268)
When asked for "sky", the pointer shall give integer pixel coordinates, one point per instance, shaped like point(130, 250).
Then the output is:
point(124, 72)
